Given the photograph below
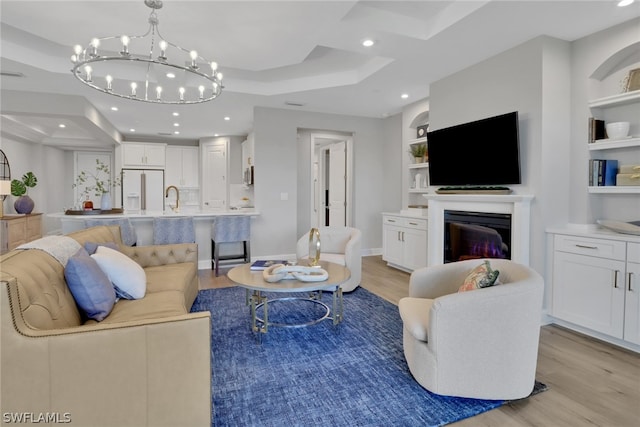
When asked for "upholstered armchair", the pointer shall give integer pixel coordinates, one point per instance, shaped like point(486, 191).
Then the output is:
point(341, 245)
point(481, 343)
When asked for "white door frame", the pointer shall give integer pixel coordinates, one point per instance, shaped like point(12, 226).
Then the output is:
point(317, 141)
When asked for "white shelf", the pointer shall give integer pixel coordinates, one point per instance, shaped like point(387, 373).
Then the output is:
point(615, 189)
point(422, 140)
point(420, 165)
point(613, 100)
point(609, 144)
point(418, 190)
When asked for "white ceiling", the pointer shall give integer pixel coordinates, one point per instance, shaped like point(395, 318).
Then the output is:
point(272, 53)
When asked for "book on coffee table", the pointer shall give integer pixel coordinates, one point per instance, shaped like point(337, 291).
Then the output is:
point(263, 264)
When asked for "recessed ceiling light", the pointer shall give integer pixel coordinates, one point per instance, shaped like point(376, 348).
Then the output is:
point(404, 96)
point(176, 132)
point(176, 124)
point(368, 43)
point(176, 114)
point(114, 108)
point(227, 118)
point(62, 125)
point(171, 76)
point(132, 130)
point(216, 134)
point(623, 3)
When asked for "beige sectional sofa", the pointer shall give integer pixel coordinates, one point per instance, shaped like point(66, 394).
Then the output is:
point(146, 364)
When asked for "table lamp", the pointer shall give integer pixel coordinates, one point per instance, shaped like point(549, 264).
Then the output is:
point(5, 190)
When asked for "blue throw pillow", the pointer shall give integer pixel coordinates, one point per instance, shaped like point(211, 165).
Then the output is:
point(89, 285)
point(91, 247)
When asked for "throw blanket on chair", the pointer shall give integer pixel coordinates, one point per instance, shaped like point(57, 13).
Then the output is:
point(59, 247)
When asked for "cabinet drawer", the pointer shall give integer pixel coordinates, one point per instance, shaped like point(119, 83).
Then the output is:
point(399, 221)
point(633, 252)
point(418, 224)
point(602, 248)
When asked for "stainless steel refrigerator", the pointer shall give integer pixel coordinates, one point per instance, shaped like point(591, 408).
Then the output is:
point(142, 190)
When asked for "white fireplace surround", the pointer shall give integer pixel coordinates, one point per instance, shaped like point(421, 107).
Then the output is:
point(519, 206)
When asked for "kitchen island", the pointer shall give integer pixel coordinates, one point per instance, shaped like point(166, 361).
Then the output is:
point(143, 225)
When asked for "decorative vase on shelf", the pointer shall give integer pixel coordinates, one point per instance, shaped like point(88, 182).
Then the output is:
point(105, 202)
point(24, 204)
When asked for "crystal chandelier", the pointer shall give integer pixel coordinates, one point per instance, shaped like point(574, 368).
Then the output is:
point(109, 65)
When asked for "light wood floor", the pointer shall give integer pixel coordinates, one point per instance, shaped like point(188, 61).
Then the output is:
point(591, 383)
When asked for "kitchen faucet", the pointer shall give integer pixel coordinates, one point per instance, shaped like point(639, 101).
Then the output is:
point(166, 194)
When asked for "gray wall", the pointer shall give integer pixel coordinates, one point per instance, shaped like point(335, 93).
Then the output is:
point(277, 171)
point(532, 79)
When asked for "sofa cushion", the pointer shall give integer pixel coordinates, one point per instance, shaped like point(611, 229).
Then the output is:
point(481, 276)
point(127, 276)
point(157, 305)
point(90, 286)
point(91, 247)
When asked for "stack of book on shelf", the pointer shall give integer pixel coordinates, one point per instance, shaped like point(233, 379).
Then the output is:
point(263, 264)
point(596, 130)
point(602, 172)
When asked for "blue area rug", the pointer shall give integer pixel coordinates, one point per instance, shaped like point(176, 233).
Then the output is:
point(353, 374)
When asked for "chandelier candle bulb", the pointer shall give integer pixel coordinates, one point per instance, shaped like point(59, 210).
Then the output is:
point(94, 47)
point(181, 90)
point(125, 45)
point(109, 79)
point(133, 88)
point(159, 92)
point(201, 89)
point(163, 48)
point(88, 70)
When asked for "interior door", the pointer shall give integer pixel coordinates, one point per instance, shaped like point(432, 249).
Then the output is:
point(337, 184)
point(214, 172)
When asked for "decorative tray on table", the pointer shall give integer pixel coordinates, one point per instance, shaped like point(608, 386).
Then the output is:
point(94, 212)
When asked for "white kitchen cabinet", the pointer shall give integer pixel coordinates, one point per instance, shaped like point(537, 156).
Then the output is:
point(632, 297)
point(143, 155)
point(595, 285)
point(404, 241)
point(215, 167)
point(182, 167)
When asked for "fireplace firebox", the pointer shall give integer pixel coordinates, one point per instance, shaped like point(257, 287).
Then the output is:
point(472, 235)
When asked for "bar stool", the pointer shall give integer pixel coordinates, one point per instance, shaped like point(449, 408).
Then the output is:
point(127, 232)
point(227, 229)
point(173, 230)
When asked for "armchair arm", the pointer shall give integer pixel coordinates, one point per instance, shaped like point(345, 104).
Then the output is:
point(154, 255)
point(435, 281)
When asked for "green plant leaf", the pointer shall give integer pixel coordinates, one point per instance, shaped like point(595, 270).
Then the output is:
point(29, 179)
point(18, 188)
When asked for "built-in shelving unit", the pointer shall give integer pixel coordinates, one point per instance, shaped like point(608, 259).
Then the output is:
point(609, 106)
point(418, 169)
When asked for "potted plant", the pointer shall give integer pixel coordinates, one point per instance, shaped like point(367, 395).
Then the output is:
point(98, 183)
point(418, 151)
point(19, 188)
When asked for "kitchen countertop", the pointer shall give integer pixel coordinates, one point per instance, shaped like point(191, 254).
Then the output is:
point(154, 214)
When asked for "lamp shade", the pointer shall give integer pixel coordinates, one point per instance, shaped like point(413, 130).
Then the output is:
point(5, 187)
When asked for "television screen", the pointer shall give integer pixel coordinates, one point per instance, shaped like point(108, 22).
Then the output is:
point(480, 153)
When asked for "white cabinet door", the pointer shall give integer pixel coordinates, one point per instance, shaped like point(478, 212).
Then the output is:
point(143, 155)
point(392, 244)
point(214, 174)
point(173, 168)
point(190, 167)
point(183, 167)
point(415, 248)
point(589, 291)
point(632, 298)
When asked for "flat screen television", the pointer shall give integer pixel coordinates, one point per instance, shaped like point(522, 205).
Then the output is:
point(480, 153)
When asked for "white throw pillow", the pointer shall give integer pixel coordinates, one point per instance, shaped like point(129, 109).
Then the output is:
point(128, 278)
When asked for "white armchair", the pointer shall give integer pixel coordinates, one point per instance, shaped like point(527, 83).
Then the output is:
point(479, 344)
point(341, 245)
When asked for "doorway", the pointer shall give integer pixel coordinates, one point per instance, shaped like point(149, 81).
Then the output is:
point(331, 180)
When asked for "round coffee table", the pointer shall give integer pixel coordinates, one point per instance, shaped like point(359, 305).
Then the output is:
point(255, 285)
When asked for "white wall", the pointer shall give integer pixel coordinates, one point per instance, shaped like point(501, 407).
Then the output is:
point(277, 172)
point(50, 165)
